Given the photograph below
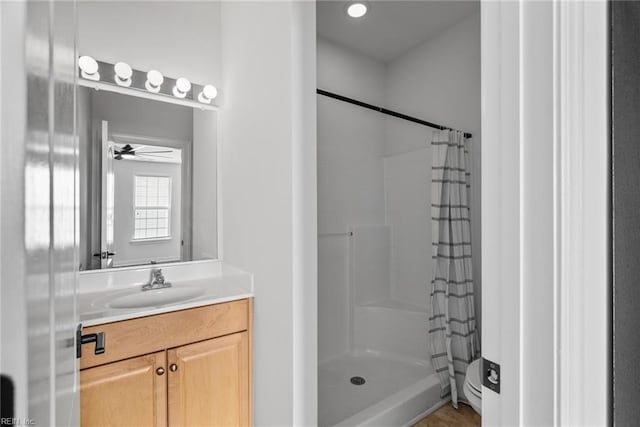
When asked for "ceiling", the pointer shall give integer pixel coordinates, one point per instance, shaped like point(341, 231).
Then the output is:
point(391, 27)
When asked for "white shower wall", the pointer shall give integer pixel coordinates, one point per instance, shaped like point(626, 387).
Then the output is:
point(374, 170)
point(350, 181)
point(439, 80)
point(408, 198)
point(369, 264)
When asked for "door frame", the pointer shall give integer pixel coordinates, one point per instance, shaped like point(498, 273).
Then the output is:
point(545, 210)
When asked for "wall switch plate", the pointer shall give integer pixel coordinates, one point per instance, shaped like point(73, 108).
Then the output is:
point(490, 375)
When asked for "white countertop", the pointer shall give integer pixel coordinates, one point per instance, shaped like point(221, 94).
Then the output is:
point(220, 283)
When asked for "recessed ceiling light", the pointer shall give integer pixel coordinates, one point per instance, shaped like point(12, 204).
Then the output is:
point(357, 10)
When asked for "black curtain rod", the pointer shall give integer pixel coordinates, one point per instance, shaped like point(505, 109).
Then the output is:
point(384, 111)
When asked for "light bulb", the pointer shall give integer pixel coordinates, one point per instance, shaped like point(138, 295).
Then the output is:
point(209, 92)
point(88, 68)
point(123, 73)
point(357, 10)
point(154, 81)
point(182, 87)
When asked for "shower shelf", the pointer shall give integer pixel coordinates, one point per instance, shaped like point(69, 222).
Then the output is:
point(345, 233)
point(392, 304)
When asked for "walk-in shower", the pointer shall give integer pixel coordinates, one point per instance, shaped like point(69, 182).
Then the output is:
point(374, 208)
point(387, 315)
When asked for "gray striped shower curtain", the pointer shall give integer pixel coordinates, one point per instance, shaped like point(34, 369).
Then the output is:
point(452, 325)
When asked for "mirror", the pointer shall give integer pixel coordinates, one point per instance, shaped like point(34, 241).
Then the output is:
point(148, 181)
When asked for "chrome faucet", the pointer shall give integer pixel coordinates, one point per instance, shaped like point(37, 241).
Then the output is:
point(156, 281)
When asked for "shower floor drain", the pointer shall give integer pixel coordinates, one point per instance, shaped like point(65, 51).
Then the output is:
point(357, 380)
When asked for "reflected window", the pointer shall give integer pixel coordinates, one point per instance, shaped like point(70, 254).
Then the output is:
point(152, 207)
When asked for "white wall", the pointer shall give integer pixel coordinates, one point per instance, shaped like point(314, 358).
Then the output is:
point(369, 259)
point(269, 228)
point(142, 117)
point(350, 73)
point(408, 204)
point(350, 179)
point(178, 38)
point(440, 82)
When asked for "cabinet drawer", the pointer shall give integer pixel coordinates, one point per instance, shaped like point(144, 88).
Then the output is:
point(134, 337)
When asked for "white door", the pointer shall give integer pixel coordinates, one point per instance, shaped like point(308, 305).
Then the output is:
point(38, 253)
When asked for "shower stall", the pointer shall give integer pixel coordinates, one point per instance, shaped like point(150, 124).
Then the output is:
point(374, 282)
point(374, 221)
point(385, 378)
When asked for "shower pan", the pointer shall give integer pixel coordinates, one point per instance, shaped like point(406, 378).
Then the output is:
point(385, 378)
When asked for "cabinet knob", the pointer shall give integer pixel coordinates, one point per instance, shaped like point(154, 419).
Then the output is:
point(173, 367)
point(160, 371)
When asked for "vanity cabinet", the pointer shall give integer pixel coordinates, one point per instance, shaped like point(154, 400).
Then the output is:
point(216, 368)
point(185, 368)
point(125, 393)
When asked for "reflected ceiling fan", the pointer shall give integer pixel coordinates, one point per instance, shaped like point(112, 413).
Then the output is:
point(128, 152)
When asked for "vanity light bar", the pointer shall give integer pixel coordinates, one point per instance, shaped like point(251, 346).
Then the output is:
point(152, 82)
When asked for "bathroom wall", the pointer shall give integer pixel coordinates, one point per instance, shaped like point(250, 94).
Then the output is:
point(350, 179)
point(269, 198)
point(143, 117)
point(439, 81)
point(181, 39)
point(408, 197)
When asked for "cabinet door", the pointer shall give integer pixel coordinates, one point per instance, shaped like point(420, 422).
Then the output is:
point(209, 382)
point(131, 392)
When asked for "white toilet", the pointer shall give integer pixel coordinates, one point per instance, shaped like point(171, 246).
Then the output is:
point(473, 386)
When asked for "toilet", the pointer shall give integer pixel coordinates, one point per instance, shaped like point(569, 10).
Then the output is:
point(473, 386)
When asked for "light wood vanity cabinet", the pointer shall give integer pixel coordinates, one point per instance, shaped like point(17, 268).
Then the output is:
point(125, 393)
point(216, 368)
point(184, 368)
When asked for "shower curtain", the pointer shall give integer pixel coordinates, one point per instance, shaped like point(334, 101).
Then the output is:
point(452, 326)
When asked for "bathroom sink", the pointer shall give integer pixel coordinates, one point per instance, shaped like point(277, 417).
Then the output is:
point(155, 297)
